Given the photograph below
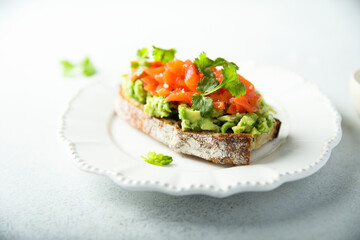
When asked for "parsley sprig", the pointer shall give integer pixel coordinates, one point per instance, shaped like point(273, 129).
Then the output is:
point(164, 55)
point(85, 67)
point(204, 63)
point(142, 62)
point(203, 104)
point(157, 159)
point(208, 84)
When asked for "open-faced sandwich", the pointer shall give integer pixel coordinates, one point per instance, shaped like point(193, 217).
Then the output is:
point(202, 107)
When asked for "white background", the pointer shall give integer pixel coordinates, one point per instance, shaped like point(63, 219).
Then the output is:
point(42, 194)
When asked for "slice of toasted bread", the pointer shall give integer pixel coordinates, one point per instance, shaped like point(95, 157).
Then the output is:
point(216, 147)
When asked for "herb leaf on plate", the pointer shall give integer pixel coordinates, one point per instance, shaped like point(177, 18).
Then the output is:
point(157, 159)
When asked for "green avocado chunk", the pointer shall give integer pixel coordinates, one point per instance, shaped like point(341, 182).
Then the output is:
point(246, 123)
point(128, 87)
point(157, 107)
point(207, 124)
point(135, 90)
point(139, 91)
point(226, 126)
point(192, 120)
point(231, 118)
point(254, 123)
point(217, 113)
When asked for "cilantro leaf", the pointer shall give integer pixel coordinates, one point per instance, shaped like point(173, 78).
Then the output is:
point(207, 84)
point(231, 81)
point(203, 104)
point(222, 62)
point(164, 55)
point(203, 62)
point(208, 72)
point(68, 68)
point(157, 159)
point(142, 54)
point(219, 62)
point(86, 67)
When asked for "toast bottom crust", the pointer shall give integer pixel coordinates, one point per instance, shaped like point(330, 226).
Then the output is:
point(215, 147)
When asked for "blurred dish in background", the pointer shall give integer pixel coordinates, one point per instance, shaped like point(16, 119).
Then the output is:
point(355, 90)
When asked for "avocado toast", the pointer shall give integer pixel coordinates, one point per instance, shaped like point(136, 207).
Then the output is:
point(202, 108)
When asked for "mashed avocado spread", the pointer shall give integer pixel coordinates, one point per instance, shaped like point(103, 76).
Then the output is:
point(191, 120)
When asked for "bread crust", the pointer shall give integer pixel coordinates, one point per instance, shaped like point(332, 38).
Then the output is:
point(215, 147)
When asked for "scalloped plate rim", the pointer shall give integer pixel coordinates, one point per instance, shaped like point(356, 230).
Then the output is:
point(167, 188)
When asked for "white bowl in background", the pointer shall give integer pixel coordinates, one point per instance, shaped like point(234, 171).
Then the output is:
point(355, 90)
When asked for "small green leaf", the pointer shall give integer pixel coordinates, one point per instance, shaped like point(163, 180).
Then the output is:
point(242, 89)
point(203, 104)
point(231, 81)
point(208, 72)
point(143, 54)
point(164, 55)
point(203, 62)
point(88, 68)
point(207, 84)
point(236, 66)
point(66, 64)
point(219, 62)
point(157, 159)
point(67, 68)
point(222, 62)
point(85, 67)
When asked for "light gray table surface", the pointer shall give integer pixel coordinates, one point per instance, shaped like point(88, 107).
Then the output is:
point(44, 196)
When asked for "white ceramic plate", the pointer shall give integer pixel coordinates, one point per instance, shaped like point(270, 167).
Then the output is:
point(100, 142)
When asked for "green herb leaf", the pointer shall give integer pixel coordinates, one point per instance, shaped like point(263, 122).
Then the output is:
point(222, 62)
point(219, 62)
point(142, 54)
point(85, 67)
point(203, 104)
point(231, 81)
point(207, 84)
point(157, 159)
point(208, 73)
point(68, 68)
point(203, 62)
point(164, 55)
point(88, 68)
